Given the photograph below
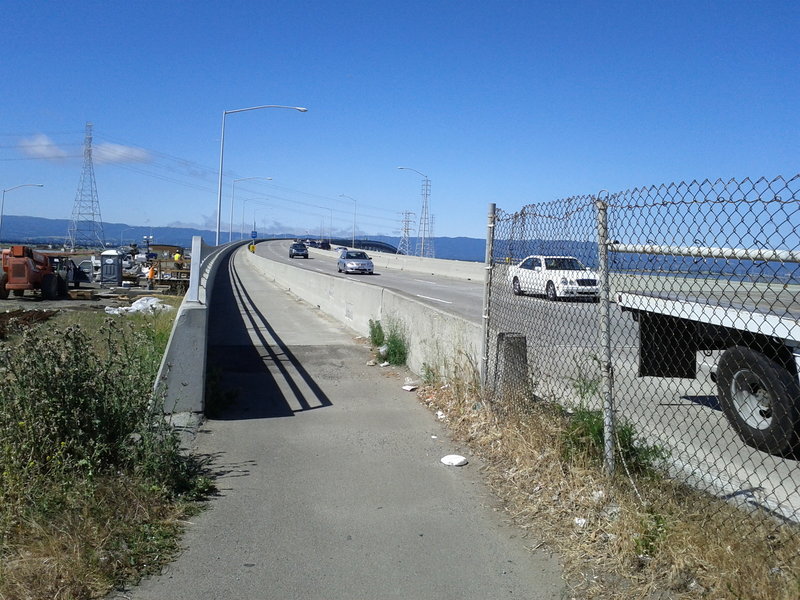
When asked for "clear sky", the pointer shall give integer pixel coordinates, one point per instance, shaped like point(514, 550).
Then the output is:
point(495, 101)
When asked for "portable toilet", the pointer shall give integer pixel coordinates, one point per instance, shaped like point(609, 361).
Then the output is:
point(111, 268)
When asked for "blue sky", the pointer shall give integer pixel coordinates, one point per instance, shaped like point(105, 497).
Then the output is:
point(505, 102)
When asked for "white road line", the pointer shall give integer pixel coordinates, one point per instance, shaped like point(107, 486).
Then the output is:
point(320, 270)
point(434, 299)
point(428, 282)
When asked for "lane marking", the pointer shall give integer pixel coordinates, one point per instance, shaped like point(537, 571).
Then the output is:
point(434, 299)
point(428, 282)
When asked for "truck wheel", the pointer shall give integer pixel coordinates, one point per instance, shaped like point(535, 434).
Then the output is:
point(49, 287)
point(760, 399)
point(62, 286)
point(551, 291)
point(3, 290)
point(18, 293)
point(515, 287)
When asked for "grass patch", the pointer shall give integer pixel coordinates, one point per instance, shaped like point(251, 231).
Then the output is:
point(391, 344)
point(94, 482)
point(643, 536)
point(376, 335)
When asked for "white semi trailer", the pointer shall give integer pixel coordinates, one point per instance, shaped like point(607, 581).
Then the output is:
point(758, 337)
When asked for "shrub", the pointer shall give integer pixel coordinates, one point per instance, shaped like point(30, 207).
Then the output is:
point(376, 335)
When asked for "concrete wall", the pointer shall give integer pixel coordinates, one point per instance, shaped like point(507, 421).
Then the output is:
point(182, 375)
point(459, 269)
point(436, 339)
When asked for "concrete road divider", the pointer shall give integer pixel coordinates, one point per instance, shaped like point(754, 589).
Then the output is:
point(436, 340)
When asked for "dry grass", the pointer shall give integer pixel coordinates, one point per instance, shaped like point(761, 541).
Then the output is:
point(94, 541)
point(645, 539)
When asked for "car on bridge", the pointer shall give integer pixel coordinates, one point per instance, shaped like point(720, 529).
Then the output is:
point(554, 276)
point(298, 249)
point(354, 261)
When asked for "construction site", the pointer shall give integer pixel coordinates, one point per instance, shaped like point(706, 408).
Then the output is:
point(85, 268)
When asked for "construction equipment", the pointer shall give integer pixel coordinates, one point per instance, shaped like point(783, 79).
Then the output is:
point(27, 269)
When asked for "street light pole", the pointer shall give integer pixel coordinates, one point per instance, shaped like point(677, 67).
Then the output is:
point(121, 235)
point(354, 216)
point(233, 197)
point(3, 202)
point(244, 203)
point(225, 113)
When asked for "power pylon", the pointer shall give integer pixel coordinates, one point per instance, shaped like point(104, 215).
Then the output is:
point(86, 228)
point(423, 232)
point(402, 247)
point(430, 250)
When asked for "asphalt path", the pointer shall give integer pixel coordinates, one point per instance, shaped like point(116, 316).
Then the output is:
point(682, 416)
point(329, 474)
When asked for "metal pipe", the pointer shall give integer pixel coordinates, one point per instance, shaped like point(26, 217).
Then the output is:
point(487, 293)
point(607, 373)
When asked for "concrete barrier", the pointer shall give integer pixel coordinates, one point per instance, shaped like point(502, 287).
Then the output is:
point(436, 340)
point(180, 384)
point(458, 269)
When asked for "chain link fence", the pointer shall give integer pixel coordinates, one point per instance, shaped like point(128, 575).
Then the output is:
point(674, 309)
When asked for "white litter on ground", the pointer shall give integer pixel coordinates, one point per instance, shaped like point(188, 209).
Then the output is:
point(409, 388)
point(384, 364)
point(454, 460)
point(145, 305)
point(440, 415)
point(580, 522)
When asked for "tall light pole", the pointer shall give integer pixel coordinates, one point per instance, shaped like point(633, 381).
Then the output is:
point(422, 230)
point(233, 197)
point(121, 235)
point(3, 202)
point(225, 113)
point(354, 216)
point(244, 203)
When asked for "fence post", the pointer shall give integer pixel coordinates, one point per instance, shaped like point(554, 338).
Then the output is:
point(607, 372)
point(487, 292)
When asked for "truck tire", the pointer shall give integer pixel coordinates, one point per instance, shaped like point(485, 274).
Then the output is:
point(760, 399)
point(3, 290)
point(550, 290)
point(49, 287)
point(18, 293)
point(515, 287)
point(62, 286)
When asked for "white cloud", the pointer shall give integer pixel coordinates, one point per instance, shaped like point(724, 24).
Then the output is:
point(117, 153)
point(41, 146)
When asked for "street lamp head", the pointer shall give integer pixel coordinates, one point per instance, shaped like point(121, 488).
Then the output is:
point(301, 109)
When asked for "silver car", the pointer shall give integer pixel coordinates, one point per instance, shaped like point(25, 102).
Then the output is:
point(354, 261)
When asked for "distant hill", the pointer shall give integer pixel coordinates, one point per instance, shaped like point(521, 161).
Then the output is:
point(37, 230)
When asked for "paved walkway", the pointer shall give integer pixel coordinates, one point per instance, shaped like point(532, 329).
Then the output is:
point(330, 483)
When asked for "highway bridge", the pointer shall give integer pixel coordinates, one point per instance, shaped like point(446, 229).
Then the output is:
point(439, 304)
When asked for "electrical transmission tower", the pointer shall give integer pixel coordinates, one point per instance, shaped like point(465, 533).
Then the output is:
point(86, 228)
point(402, 247)
point(430, 251)
point(423, 232)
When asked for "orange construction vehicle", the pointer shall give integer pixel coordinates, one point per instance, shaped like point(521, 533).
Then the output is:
point(27, 269)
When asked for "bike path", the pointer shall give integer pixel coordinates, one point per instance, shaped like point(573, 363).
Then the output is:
point(329, 475)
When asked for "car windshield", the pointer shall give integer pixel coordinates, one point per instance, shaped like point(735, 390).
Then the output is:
point(357, 255)
point(298, 246)
point(561, 263)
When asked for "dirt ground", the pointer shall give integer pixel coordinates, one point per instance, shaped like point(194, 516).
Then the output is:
point(31, 308)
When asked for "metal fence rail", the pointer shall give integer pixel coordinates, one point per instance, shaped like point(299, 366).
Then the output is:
point(673, 308)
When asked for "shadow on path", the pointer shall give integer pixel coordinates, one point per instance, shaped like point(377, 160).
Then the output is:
point(261, 380)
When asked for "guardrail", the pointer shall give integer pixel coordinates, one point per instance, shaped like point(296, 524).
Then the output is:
point(182, 375)
point(455, 345)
